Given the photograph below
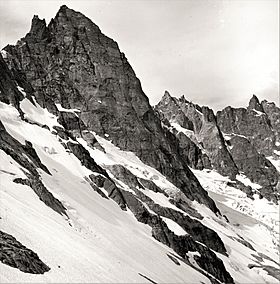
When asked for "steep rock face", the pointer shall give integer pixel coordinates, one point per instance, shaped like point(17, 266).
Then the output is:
point(72, 63)
point(172, 113)
point(255, 135)
point(255, 166)
point(113, 191)
point(254, 104)
point(196, 229)
point(252, 122)
point(205, 133)
point(235, 141)
point(86, 160)
point(193, 154)
point(14, 254)
point(8, 89)
point(207, 261)
point(188, 146)
point(273, 113)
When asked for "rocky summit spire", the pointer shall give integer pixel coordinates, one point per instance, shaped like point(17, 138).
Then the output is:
point(183, 99)
point(255, 104)
point(38, 28)
point(166, 98)
point(166, 95)
point(63, 8)
point(167, 101)
point(71, 19)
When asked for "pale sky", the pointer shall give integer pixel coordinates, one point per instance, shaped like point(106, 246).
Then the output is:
point(216, 53)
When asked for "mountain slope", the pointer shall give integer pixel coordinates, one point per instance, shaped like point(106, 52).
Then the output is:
point(96, 185)
point(235, 140)
point(70, 62)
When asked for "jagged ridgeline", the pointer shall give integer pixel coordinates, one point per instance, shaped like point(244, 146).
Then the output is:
point(98, 186)
point(72, 63)
point(235, 141)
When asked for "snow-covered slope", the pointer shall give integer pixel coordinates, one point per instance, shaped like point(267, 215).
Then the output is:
point(255, 220)
point(99, 242)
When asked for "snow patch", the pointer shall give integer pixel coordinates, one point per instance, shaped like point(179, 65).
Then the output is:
point(21, 90)
point(179, 128)
point(71, 110)
point(259, 113)
point(4, 53)
point(174, 227)
point(247, 182)
point(275, 162)
point(191, 255)
point(36, 113)
point(114, 155)
point(227, 137)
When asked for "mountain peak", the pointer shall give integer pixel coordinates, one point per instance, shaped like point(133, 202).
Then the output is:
point(167, 98)
point(183, 100)
point(37, 24)
point(166, 94)
point(38, 28)
point(63, 7)
point(70, 18)
point(64, 10)
point(254, 103)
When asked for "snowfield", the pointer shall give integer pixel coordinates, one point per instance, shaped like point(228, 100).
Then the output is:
point(101, 243)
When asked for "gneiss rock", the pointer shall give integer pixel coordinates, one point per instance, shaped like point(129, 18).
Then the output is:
point(151, 186)
point(72, 63)
point(113, 191)
point(14, 254)
point(25, 155)
point(27, 158)
point(253, 135)
point(255, 166)
point(70, 121)
point(188, 146)
point(205, 133)
point(8, 90)
point(254, 104)
point(252, 122)
point(38, 28)
point(208, 260)
point(38, 187)
point(84, 156)
point(198, 231)
point(124, 175)
point(192, 153)
point(273, 113)
point(247, 134)
point(193, 227)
